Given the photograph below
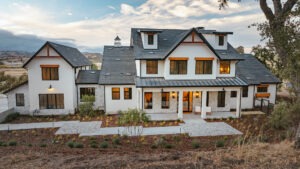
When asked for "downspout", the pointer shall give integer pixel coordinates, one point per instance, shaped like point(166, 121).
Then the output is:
point(254, 86)
point(142, 99)
point(76, 89)
point(104, 101)
point(240, 107)
point(275, 94)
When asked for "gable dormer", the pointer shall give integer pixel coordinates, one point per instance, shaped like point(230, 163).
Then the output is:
point(218, 40)
point(149, 38)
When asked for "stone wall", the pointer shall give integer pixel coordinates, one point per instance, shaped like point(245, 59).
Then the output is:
point(4, 114)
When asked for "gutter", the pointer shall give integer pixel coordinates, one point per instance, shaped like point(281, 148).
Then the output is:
point(142, 99)
point(104, 101)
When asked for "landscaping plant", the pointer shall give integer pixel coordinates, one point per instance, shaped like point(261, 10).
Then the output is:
point(86, 108)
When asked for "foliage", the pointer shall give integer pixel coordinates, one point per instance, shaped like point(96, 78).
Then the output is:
point(104, 144)
point(220, 143)
point(93, 145)
point(279, 118)
point(12, 143)
point(43, 145)
point(70, 144)
point(78, 145)
point(11, 117)
point(116, 141)
point(168, 146)
point(87, 107)
point(94, 67)
point(195, 144)
point(132, 117)
point(8, 82)
point(240, 49)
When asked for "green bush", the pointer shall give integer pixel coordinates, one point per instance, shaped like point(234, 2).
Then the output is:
point(132, 117)
point(43, 145)
point(12, 143)
point(279, 118)
point(104, 144)
point(168, 146)
point(154, 146)
point(116, 141)
point(87, 106)
point(11, 117)
point(94, 145)
point(70, 144)
point(29, 145)
point(195, 144)
point(220, 143)
point(78, 145)
point(2, 143)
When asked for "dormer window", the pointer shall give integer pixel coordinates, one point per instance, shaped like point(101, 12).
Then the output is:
point(224, 67)
point(221, 40)
point(150, 39)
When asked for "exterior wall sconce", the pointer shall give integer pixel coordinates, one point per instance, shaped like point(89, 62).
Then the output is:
point(162, 90)
point(50, 87)
point(173, 95)
point(223, 89)
point(197, 94)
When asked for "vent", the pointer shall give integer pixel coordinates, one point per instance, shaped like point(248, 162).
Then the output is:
point(128, 74)
point(117, 59)
point(107, 74)
point(165, 39)
point(151, 52)
point(92, 72)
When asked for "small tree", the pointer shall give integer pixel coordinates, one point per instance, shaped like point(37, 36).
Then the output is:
point(87, 107)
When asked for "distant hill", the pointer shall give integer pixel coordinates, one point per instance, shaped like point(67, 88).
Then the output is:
point(15, 54)
point(94, 57)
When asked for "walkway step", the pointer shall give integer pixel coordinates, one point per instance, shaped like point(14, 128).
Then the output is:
point(26, 126)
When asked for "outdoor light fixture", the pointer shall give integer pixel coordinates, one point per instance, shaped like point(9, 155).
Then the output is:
point(162, 90)
point(197, 94)
point(223, 89)
point(50, 87)
point(173, 95)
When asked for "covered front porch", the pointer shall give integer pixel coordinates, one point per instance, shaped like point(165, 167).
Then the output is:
point(179, 103)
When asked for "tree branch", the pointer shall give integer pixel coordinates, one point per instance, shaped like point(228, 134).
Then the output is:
point(277, 7)
point(288, 6)
point(267, 11)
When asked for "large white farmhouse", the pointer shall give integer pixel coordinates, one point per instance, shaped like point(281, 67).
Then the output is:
point(162, 71)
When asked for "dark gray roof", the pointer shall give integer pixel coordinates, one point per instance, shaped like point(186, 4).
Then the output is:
point(19, 85)
point(161, 82)
point(169, 39)
point(69, 54)
point(118, 66)
point(229, 54)
point(88, 77)
point(253, 71)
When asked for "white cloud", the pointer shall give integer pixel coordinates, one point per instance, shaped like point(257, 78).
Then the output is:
point(70, 13)
point(153, 13)
point(111, 7)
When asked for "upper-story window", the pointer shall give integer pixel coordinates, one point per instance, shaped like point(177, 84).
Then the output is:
point(262, 89)
point(221, 40)
point(178, 66)
point(203, 67)
point(152, 66)
point(50, 72)
point(224, 67)
point(150, 39)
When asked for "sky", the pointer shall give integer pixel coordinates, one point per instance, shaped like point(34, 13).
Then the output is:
point(91, 24)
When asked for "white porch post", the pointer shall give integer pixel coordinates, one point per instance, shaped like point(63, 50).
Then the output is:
point(238, 103)
point(180, 105)
point(203, 105)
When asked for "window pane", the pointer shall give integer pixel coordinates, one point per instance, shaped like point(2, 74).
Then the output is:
point(233, 94)
point(221, 99)
point(224, 67)
point(43, 101)
point(90, 91)
point(199, 67)
point(245, 92)
point(262, 89)
point(127, 93)
point(165, 100)
point(19, 99)
point(50, 73)
point(51, 101)
point(173, 67)
point(221, 40)
point(148, 100)
point(207, 67)
point(60, 101)
point(152, 66)
point(115, 93)
point(150, 39)
point(178, 67)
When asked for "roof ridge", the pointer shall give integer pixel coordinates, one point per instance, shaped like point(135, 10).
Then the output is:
point(60, 44)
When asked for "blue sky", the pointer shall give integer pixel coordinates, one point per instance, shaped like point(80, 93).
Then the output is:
point(90, 24)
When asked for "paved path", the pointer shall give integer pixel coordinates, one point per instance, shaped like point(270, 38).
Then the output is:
point(194, 126)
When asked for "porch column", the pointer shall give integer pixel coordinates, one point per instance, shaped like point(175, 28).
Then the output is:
point(238, 103)
point(180, 105)
point(203, 104)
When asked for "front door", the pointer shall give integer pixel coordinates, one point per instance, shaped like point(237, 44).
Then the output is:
point(187, 102)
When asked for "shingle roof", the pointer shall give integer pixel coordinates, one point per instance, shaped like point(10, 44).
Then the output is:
point(88, 77)
point(169, 39)
point(161, 82)
point(71, 55)
point(118, 66)
point(252, 71)
point(19, 85)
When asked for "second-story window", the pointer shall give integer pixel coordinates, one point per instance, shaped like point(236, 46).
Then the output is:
point(152, 66)
point(178, 67)
point(150, 39)
point(203, 67)
point(50, 72)
point(262, 89)
point(224, 67)
point(221, 40)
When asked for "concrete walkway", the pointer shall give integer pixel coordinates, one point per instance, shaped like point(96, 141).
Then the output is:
point(193, 125)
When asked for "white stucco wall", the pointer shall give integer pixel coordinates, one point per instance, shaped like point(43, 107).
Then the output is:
point(65, 85)
point(160, 71)
point(191, 51)
point(214, 41)
point(246, 102)
point(11, 97)
point(99, 95)
point(272, 91)
point(213, 102)
point(113, 106)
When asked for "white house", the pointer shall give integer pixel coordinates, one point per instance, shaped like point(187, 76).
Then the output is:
point(162, 71)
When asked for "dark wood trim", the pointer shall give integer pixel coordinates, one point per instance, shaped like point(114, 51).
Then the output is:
point(55, 66)
point(178, 58)
point(205, 58)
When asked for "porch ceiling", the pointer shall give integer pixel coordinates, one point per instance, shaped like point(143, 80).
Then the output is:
point(161, 82)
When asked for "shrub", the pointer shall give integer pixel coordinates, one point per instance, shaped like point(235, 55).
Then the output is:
point(263, 138)
point(168, 146)
point(195, 144)
point(153, 146)
point(133, 117)
point(2, 143)
point(87, 106)
point(93, 145)
point(220, 143)
point(279, 118)
point(11, 117)
point(43, 145)
point(29, 145)
point(176, 138)
point(160, 142)
point(12, 143)
point(104, 144)
point(78, 145)
point(70, 144)
point(116, 141)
